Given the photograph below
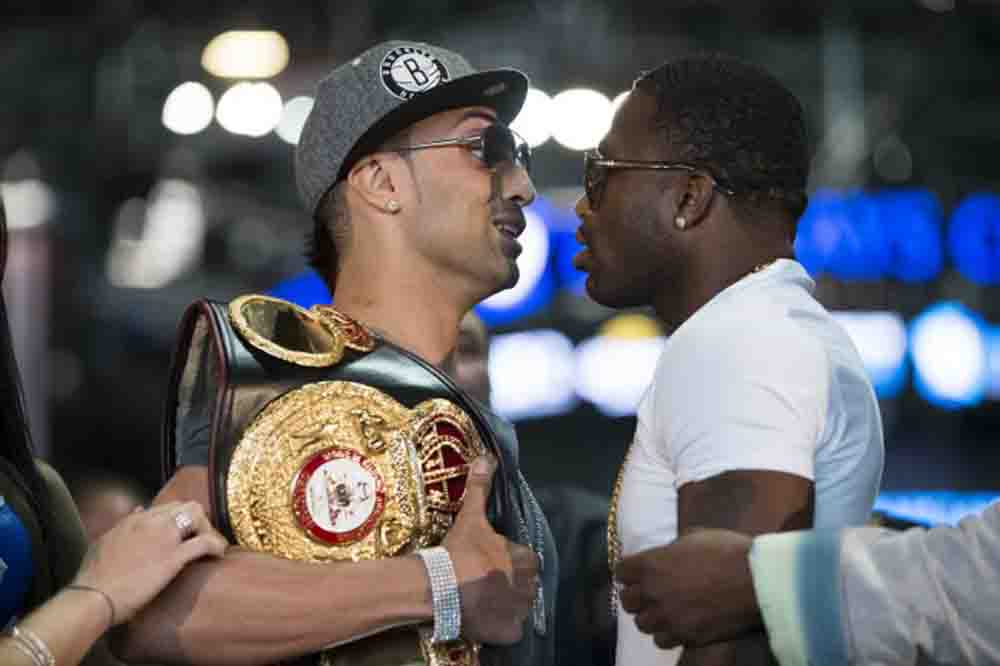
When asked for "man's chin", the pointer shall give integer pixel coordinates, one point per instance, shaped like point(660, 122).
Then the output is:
point(603, 296)
point(513, 275)
point(504, 282)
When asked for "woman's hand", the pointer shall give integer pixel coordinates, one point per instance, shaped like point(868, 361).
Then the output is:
point(139, 556)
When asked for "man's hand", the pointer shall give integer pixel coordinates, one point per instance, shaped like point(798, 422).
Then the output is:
point(694, 591)
point(496, 577)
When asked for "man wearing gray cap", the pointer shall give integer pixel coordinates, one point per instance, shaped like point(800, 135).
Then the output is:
point(416, 186)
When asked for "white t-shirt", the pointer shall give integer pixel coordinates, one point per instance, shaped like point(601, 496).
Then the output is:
point(761, 377)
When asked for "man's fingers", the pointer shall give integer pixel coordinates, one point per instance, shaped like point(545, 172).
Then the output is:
point(477, 486)
point(197, 547)
point(628, 569)
point(665, 640)
point(651, 620)
point(631, 598)
point(200, 524)
point(523, 558)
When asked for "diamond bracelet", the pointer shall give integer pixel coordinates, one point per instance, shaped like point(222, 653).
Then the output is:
point(444, 594)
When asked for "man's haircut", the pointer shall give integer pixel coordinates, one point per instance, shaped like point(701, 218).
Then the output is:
point(738, 122)
point(332, 221)
point(331, 229)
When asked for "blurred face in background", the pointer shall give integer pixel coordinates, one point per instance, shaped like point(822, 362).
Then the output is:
point(102, 503)
point(472, 358)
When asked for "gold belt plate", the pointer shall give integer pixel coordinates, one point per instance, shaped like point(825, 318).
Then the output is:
point(336, 471)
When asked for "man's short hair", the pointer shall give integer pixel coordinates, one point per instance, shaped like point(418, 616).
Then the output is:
point(331, 227)
point(332, 220)
point(736, 121)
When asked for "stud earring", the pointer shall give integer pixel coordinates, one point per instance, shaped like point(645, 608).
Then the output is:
point(680, 222)
point(392, 206)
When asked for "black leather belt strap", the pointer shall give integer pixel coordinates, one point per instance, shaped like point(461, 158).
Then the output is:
point(247, 380)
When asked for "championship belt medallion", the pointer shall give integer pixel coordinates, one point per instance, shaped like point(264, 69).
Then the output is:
point(338, 470)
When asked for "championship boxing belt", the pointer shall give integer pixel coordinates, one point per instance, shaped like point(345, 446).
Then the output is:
point(327, 444)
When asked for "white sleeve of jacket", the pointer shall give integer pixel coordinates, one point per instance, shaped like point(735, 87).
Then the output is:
point(872, 596)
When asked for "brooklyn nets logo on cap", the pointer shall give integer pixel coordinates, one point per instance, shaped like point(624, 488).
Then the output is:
point(408, 71)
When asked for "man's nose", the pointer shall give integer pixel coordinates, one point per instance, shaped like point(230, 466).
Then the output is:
point(517, 184)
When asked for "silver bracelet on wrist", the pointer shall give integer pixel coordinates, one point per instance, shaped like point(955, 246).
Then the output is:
point(32, 646)
point(444, 594)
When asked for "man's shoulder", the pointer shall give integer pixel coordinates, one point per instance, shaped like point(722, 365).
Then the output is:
point(758, 333)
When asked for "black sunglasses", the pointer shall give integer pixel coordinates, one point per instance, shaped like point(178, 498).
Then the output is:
point(493, 146)
point(596, 168)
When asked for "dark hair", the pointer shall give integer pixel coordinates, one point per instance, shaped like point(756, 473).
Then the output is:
point(738, 122)
point(332, 220)
point(15, 438)
point(331, 225)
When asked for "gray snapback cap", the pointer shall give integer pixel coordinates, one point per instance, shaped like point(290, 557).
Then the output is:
point(367, 100)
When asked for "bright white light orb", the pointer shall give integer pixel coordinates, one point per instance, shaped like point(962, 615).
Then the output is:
point(249, 109)
point(531, 264)
point(29, 203)
point(246, 54)
point(534, 122)
point(949, 356)
point(582, 118)
point(189, 108)
point(293, 119)
point(158, 242)
point(880, 338)
point(532, 374)
point(614, 373)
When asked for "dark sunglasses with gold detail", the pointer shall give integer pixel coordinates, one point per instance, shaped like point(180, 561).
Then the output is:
point(596, 168)
point(493, 146)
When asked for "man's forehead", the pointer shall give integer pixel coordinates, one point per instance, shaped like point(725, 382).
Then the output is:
point(633, 129)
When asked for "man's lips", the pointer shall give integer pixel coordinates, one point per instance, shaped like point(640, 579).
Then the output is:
point(510, 225)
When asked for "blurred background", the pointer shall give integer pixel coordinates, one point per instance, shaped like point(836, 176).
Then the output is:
point(145, 159)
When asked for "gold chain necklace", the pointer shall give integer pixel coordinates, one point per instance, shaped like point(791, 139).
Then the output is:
point(614, 544)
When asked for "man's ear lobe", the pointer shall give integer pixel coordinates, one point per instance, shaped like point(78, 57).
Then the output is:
point(372, 181)
point(695, 200)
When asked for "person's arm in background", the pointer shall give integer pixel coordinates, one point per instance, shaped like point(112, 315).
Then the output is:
point(869, 595)
point(130, 565)
point(856, 596)
point(255, 608)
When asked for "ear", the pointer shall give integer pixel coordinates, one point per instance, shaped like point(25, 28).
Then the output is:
point(695, 201)
point(372, 179)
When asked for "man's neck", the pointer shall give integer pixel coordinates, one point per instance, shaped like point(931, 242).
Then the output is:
point(704, 280)
point(415, 317)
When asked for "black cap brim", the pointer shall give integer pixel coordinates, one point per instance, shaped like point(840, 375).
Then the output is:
point(502, 90)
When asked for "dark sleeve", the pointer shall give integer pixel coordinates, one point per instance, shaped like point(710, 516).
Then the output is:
point(67, 541)
point(194, 419)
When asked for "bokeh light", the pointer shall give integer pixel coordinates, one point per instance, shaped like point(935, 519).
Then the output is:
point(249, 109)
point(531, 373)
point(584, 118)
point(948, 347)
point(246, 54)
point(880, 338)
point(974, 238)
point(534, 122)
point(293, 118)
point(189, 108)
